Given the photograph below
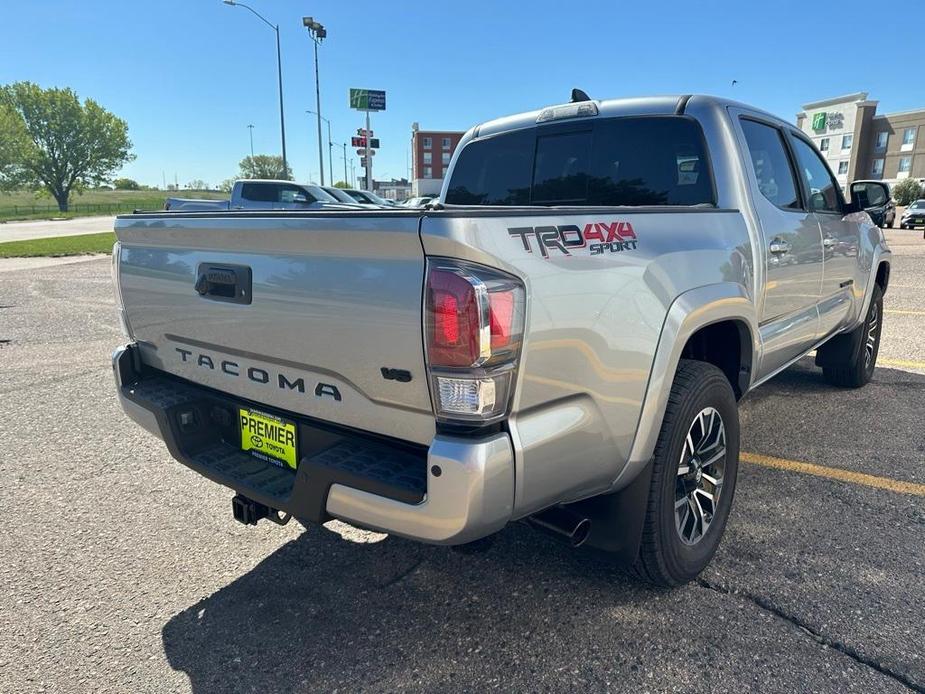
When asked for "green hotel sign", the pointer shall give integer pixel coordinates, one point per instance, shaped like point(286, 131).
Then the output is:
point(367, 99)
point(819, 121)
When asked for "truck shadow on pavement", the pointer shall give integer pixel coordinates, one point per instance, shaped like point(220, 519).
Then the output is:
point(323, 613)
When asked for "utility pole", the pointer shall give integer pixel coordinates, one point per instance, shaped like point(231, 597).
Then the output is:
point(346, 180)
point(279, 71)
point(318, 33)
point(251, 129)
point(369, 157)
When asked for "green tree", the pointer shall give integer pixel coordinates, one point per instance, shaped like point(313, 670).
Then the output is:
point(197, 184)
point(14, 142)
point(226, 185)
point(126, 184)
point(907, 191)
point(342, 184)
point(264, 166)
point(70, 145)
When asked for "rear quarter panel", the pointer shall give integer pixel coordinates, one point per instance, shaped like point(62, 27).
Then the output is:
point(593, 326)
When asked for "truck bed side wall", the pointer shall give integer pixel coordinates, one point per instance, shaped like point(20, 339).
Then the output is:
point(593, 327)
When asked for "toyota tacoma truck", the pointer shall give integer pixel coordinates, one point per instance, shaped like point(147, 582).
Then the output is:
point(561, 338)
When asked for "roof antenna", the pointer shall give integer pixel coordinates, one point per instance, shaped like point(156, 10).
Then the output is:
point(579, 95)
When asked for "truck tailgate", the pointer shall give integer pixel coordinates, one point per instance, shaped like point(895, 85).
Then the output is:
point(335, 298)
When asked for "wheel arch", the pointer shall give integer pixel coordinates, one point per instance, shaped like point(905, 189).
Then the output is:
point(692, 319)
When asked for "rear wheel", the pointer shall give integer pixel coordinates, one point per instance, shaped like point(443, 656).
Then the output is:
point(858, 369)
point(693, 476)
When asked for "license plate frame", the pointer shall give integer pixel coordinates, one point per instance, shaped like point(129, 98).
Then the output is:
point(268, 437)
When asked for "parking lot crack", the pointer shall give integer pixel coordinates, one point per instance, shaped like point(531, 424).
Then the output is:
point(402, 575)
point(765, 604)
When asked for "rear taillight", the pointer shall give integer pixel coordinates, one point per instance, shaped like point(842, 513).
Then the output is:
point(117, 287)
point(474, 319)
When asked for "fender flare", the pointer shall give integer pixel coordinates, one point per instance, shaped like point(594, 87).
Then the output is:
point(688, 313)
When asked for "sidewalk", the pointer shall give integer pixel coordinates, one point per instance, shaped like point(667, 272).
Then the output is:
point(40, 229)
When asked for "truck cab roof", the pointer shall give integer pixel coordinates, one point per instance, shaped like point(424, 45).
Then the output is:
point(611, 108)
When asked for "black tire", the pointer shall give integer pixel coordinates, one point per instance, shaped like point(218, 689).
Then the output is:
point(859, 368)
point(665, 558)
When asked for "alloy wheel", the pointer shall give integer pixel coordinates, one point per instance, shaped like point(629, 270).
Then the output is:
point(870, 342)
point(701, 469)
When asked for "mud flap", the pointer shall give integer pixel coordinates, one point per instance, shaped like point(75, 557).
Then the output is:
point(617, 519)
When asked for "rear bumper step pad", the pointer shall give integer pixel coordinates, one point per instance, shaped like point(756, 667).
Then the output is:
point(455, 491)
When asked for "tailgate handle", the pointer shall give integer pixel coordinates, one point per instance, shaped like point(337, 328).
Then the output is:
point(224, 282)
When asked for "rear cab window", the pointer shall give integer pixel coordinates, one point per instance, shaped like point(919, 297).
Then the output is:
point(624, 161)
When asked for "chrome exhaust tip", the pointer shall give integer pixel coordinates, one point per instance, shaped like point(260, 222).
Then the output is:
point(563, 524)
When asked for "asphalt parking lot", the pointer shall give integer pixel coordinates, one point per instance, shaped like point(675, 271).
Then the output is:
point(121, 570)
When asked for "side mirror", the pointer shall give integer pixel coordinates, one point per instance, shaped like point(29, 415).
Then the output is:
point(299, 197)
point(866, 195)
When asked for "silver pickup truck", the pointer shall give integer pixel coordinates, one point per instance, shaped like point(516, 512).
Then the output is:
point(562, 338)
point(260, 194)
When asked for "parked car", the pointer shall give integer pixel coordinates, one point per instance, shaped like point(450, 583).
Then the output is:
point(342, 196)
point(877, 200)
point(365, 196)
point(260, 194)
point(562, 339)
point(417, 202)
point(914, 216)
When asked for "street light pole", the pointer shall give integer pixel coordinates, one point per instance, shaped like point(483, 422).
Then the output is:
point(251, 129)
point(330, 148)
point(279, 71)
point(346, 180)
point(317, 34)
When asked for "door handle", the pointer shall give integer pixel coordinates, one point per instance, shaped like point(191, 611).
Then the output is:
point(779, 246)
point(829, 241)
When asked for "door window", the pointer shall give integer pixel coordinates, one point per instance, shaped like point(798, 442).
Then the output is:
point(260, 192)
point(818, 180)
point(771, 164)
point(288, 193)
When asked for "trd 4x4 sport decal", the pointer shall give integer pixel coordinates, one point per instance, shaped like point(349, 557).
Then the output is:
point(600, 237)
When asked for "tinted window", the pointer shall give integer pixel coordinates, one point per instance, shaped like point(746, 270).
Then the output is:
point(618, 161)
point(823, 191)
point(260, 192)
point(494, 171)
point(771, 164)
point(561, 168)
point(289, 193)
point(649, 161)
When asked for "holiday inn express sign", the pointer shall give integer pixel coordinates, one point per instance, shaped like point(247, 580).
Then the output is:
point(832, 121)
point(367, 99)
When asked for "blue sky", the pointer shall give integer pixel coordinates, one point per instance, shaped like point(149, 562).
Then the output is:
point(188, 76)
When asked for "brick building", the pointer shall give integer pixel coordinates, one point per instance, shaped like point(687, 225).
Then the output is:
point(431, 151)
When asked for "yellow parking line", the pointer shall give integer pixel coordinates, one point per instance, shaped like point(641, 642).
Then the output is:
point(904, 312)
point(902, 363)
point(835, 473)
